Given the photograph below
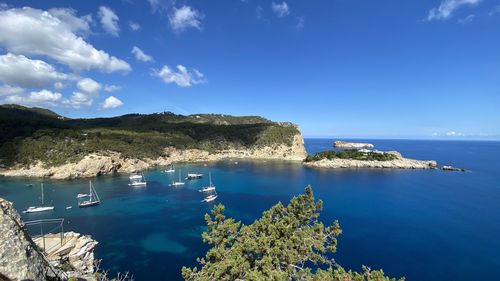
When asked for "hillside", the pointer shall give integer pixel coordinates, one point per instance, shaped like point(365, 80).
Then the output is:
point(30, 135)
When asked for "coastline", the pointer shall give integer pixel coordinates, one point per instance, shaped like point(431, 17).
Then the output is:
point(109, 162)
point(400, 163)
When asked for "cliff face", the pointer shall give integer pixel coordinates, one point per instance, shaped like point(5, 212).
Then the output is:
point(19, 259)
point(109, 162)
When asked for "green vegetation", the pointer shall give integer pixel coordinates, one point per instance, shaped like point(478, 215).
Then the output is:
point(28, 135)
point(350, 154)
point(286, 243)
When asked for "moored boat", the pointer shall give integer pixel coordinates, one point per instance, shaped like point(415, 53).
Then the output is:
point(93, 198)
point(42, 208)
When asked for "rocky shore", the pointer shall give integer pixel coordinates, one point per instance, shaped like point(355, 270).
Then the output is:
point(23, 258)
point(109, 162)
point(398, 163)
point(352, 145)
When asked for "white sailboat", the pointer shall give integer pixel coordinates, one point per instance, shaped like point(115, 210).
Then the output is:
point(210, 186)
point(177, 183)
point(137, 180)
point(210, 197)
point(93, 198)
point(193, 176)
point(171, 170)
point(42, 208)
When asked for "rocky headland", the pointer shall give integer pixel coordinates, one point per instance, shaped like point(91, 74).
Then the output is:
point(352, 145)
point(110, 162)
point(40, 143)
point(396, 162)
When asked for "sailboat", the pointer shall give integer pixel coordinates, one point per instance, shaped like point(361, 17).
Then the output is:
point(194, 176)
point(171, 170)
point(210, 197)
point(42, 208)
point(137, 180)
point(210, 187)
point(93, 198)
point(177, 183)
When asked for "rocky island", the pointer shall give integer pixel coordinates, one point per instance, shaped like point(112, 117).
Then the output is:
point(352, 145)
point(37, 142)
point(365, 159)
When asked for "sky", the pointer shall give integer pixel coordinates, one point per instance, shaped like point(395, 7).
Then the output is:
point(426, 69)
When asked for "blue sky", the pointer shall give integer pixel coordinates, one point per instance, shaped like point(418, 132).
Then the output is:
point(385, 69)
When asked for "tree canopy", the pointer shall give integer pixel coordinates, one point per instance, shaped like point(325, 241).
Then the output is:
point(286, 243)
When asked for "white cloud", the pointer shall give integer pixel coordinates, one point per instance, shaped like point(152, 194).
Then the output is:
point(185, 17)
point(495, 10)
point(31, 31)
point(448, 7)
point(134, 26)
point(18, 70)
point(76, 24)
point(59, 86)
point(454, 134)
point(300, 23)
point(281, 10)
point(7, 90)
point(182, 77)
point(258, 11)
point(111, 88)
point(109, 20)
point(89, 86)
point(140, 55)
point(467, 19)
point(41, 98)
point(78, 99)
point(111, 102)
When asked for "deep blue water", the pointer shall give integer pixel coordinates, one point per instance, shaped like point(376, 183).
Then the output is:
point(425, 225)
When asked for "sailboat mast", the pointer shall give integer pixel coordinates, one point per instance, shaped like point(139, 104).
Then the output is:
point(90, 191)
point(179, 175)
point(42, 194)
point(210, 177)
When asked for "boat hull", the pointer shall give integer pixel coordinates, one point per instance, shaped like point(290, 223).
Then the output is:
point(88, 204)
point(38, 209)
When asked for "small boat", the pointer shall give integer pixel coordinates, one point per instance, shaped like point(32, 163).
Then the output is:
point(171, 170)
point(29, 185)
point(81, 195)
point(210, 186)
point(194, 176)
point(137, 180)
point(37, 209)
point(177, 183)
point(69, 207)
point(210, 198)
point(93, 198)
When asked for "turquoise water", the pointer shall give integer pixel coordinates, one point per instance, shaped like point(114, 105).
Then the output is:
point(425, 225)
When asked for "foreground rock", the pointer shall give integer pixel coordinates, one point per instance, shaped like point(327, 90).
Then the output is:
point(109, 162)
point(75, 253)
point(398, 163)
point(19, 258)
point(352, 145)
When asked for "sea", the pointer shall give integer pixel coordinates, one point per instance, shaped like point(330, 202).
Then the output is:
point(420, 224)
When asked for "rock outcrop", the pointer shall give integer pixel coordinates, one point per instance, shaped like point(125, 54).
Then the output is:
point(19, 257)
point(398, 163)
point(74, 250)
point(109, 162)
point(352, 145)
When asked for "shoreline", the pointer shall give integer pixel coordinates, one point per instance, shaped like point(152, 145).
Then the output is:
point(109, 162)
point(400, 163)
